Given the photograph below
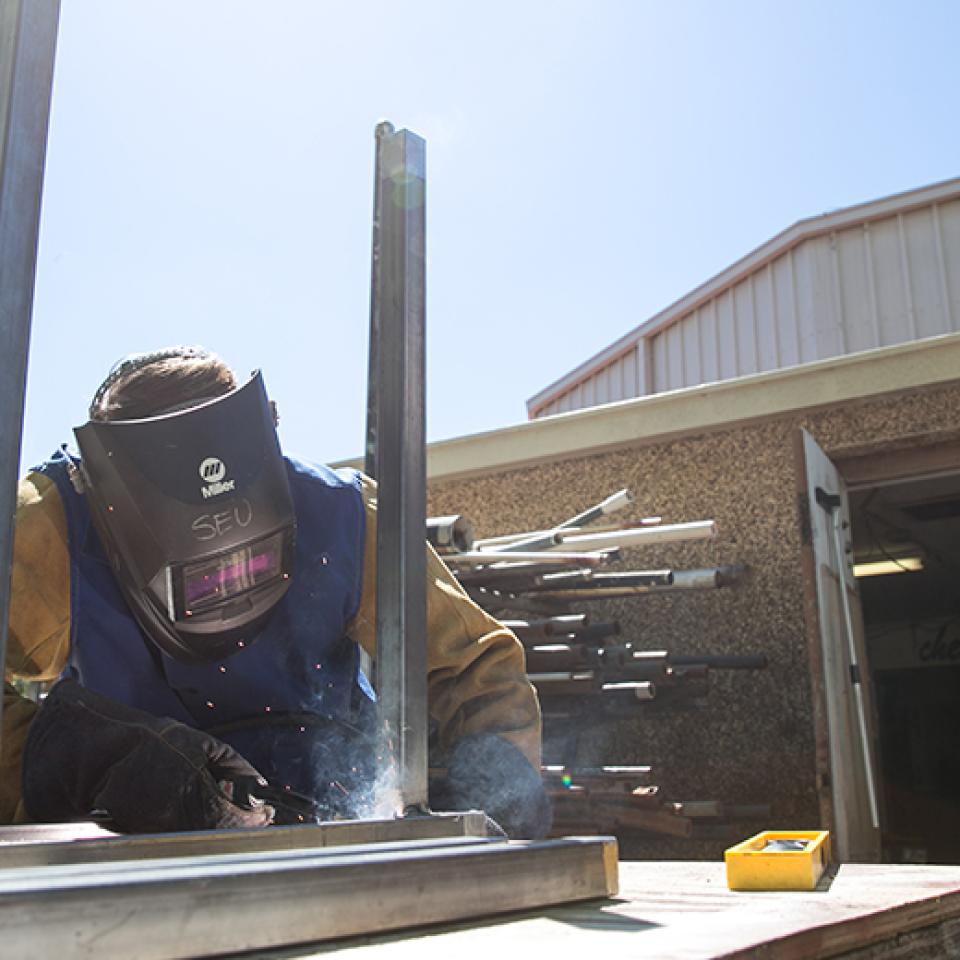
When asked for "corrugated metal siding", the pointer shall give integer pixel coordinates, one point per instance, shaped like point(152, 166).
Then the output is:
point(616, 381)
point(873, 284)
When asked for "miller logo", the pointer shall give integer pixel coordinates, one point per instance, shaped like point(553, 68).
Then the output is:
point(212, 471)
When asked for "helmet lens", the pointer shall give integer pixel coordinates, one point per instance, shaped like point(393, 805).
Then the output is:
point(217, 579)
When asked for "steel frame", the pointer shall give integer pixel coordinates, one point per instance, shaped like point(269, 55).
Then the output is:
point(198, 906)
point(28, 38)
point(34, 845)
point(397, 454)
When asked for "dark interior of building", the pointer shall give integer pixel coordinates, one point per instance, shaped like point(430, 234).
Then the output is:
point(911, 610)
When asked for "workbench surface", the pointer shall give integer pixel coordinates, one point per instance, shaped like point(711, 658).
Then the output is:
point(684, 910)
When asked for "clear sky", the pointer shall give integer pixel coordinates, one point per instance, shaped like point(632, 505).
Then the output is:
point(210, 167)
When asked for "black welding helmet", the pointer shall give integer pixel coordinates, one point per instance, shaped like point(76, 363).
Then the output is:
point(193, 509)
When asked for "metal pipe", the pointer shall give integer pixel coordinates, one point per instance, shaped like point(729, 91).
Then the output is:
point(507, 577)
point(708, 578)
point(450, 534)
point(613, 503)
point(599, 588)
point(641, 689)
point(545, 542)
point(493, 543)
point(667, 533)
point(574, 656)
point(475, 558)
point(589, 592)
point(28, 40)
point(399, 460)
point(48, 844)
point(589, 579)
point(614, 772)
point(548, 627)
point(656, 667)
point(206, 906)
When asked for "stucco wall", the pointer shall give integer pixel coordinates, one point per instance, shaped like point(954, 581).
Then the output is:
point(754, 742)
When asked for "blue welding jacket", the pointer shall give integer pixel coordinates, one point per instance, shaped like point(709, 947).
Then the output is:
point(293, 701)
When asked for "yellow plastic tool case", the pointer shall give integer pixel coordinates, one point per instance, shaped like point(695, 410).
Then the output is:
point(778, 860)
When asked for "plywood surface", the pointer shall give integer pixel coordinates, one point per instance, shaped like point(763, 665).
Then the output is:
point(684, 910)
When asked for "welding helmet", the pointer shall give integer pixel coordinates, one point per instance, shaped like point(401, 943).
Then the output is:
point(193, 509)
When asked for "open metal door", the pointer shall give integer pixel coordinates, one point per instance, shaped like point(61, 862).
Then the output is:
point(841, 674)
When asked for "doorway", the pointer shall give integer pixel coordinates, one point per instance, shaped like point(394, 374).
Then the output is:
point(906, 551)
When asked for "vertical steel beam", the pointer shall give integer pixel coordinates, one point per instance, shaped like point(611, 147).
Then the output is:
point(397, 454)
point(28, 38)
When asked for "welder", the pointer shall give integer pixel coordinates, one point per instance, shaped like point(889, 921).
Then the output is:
point(199, 602)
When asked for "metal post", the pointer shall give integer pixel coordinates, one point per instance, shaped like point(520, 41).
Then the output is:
point(397, 349)
point(28, 38)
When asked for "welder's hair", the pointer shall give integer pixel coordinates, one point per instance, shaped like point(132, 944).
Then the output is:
point(148, 384)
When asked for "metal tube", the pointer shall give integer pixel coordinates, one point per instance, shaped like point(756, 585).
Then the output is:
point(28, 39)
point(628, 773)
point(400, 459)
point(641, 689)
point(616, 501)
point(589, 579)
point(589, 592)
point(205, 906)
point(613, 503)
point(47, 844)
point(599, 587)
point(496, 561)
point(667, 533)
point(494, 543)
point(546, 658)
point(514, 577)
point(545, 542)
point(543, 629)
point(449, 534)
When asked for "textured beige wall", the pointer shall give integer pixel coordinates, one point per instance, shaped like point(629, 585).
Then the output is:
point(754, 742)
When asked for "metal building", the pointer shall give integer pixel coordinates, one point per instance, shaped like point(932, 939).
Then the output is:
point(868, 276)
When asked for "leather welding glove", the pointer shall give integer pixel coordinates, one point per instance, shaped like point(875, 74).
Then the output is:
point(486, 772)
point(85, 754)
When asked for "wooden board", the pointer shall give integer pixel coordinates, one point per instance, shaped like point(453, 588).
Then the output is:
point(684, 911)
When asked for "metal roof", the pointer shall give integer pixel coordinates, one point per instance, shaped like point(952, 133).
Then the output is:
point(799, 232)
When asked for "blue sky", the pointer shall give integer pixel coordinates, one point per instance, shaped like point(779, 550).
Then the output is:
point(210, 165)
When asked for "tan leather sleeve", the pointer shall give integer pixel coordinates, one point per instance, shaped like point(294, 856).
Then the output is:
point(38, 637)
point(476, 676)
point(38, 633)
point(18, 711)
